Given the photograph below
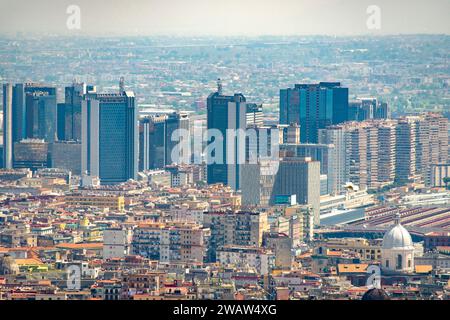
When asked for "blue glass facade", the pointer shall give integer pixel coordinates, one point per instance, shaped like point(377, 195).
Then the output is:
point(313, 107)
point(110, 140)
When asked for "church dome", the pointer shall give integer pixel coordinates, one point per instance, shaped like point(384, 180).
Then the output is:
point(397, 237)
point(375, 294)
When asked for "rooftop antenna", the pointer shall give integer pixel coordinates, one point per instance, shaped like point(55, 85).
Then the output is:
point(219, 86)
point(122, 85)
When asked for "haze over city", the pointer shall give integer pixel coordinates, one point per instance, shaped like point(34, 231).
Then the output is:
point(224, 18)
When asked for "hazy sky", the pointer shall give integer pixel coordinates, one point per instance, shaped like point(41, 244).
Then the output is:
point(224, 17)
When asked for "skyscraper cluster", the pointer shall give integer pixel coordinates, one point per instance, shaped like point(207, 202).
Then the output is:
point(103, 135)
point(90, 133)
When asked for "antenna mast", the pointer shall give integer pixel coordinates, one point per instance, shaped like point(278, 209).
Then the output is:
point(219, 86)
point(122, 85)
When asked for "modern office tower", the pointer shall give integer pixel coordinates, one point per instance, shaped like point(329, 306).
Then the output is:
point(176, 121)
point(313, 107)
point(72, 121)
point(31, 154)
point(47, 118)
point(299, 176)
point(335, 136)
point(405, 150)
point(257, 182)
point(110, 137)
point(234, 228)
point(363, 109)
point(69, 112)
point(14, 122)
point(32, 115)
point(156, 139)
point(66, 155)
point(152, 142)
point(170, 242)
point(7, 126)
point(324, 153)
point(254, 115)
point(225, 113)
point(41, 112)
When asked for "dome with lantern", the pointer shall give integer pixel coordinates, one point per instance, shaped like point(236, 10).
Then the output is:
point(397, 250)
point(397, 237)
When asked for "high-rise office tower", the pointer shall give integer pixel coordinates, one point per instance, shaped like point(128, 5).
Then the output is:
point(110, 137)
point(31, 113)
point(7, 126)
point(300, 177)
point(157, 139)
point(152, 142)
point(324, 153)
point(176, 121)
point(257, 182)
point(47, 118)
point(226, 113)
point(41, 112)
point(72, 110)
point(313, 107)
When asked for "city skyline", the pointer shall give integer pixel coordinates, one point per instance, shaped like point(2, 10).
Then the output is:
point(175, 151)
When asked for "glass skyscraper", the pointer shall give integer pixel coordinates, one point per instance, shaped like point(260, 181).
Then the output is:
point(110, 137)
point(225, 112)
point(313, 107)
point(30, 112)
point(155, 139)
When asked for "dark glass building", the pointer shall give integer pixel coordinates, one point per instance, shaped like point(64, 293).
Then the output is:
point(225, 112)
point(71, 119)
point(30, 112)
point(155, 139)
point(313, 107)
